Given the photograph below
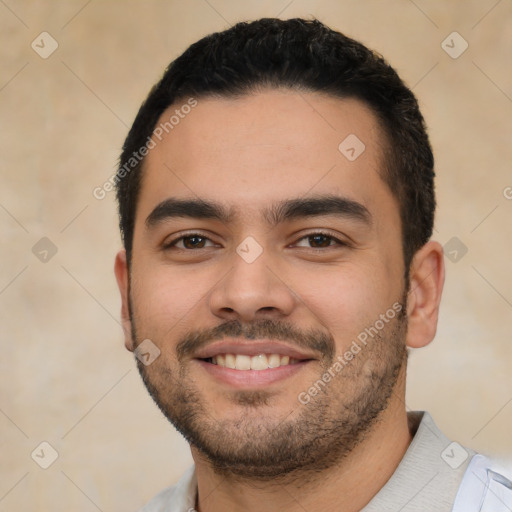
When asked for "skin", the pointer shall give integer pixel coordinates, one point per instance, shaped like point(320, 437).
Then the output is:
point(248, 153)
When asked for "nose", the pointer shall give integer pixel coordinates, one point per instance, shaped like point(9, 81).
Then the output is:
point(251, 291)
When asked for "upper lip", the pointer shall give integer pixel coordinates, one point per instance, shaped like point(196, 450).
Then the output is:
point(251, 348)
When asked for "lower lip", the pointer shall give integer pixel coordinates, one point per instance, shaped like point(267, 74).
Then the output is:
point(251, 378)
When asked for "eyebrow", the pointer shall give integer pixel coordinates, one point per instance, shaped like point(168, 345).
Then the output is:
point(289, 209)
point(317, 206)
point(190, 208)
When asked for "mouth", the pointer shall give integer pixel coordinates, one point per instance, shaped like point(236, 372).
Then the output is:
point(245, 362)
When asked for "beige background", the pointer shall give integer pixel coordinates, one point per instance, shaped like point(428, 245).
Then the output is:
point(65, 377)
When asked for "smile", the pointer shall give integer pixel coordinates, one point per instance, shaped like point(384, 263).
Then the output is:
point(250, 364)
point(246, 362)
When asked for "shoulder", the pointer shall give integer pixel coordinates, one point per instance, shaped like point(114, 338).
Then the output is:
point(178, 498)
point(162, 501)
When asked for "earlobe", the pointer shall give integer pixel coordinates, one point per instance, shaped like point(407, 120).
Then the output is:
point(426, 287)
point(121, 272)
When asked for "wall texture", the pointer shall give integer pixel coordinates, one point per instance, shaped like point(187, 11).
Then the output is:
point(65, 377)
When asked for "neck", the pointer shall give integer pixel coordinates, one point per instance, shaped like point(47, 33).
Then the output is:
point(345, 487)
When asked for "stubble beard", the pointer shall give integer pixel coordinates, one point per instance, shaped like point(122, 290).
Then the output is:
point(306, 439)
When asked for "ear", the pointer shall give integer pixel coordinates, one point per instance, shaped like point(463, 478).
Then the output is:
point(121, 271)
point(426, 287)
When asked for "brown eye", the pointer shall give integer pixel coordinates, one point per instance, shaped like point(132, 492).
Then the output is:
point(190, 242)
point(194, 242)
point(317, 241)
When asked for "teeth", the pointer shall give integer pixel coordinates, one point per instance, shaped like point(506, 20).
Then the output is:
point(274, 361)
point(230, 361)
point(258, 362)
point(243, 363)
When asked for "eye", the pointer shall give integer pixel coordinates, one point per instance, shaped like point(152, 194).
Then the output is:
point(319, 241)
point(192, 241)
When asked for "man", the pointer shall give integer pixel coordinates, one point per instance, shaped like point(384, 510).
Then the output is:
point(276, 204)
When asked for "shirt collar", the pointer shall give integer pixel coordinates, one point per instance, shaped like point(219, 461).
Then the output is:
point(426, 475)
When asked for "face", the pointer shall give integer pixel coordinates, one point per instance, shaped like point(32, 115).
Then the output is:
point(267, 268)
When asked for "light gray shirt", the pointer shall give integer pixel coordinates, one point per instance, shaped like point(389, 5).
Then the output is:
point(426, 480)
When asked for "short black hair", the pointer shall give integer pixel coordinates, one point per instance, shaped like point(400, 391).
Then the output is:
point(303, 55)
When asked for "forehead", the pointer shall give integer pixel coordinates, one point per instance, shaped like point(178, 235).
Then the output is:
point(263, 147)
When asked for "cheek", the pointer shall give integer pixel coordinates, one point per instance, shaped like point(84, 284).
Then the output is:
point(162, 297)
point(344, 300)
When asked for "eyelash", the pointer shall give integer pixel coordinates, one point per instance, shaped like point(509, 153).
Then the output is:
point(326, 234)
